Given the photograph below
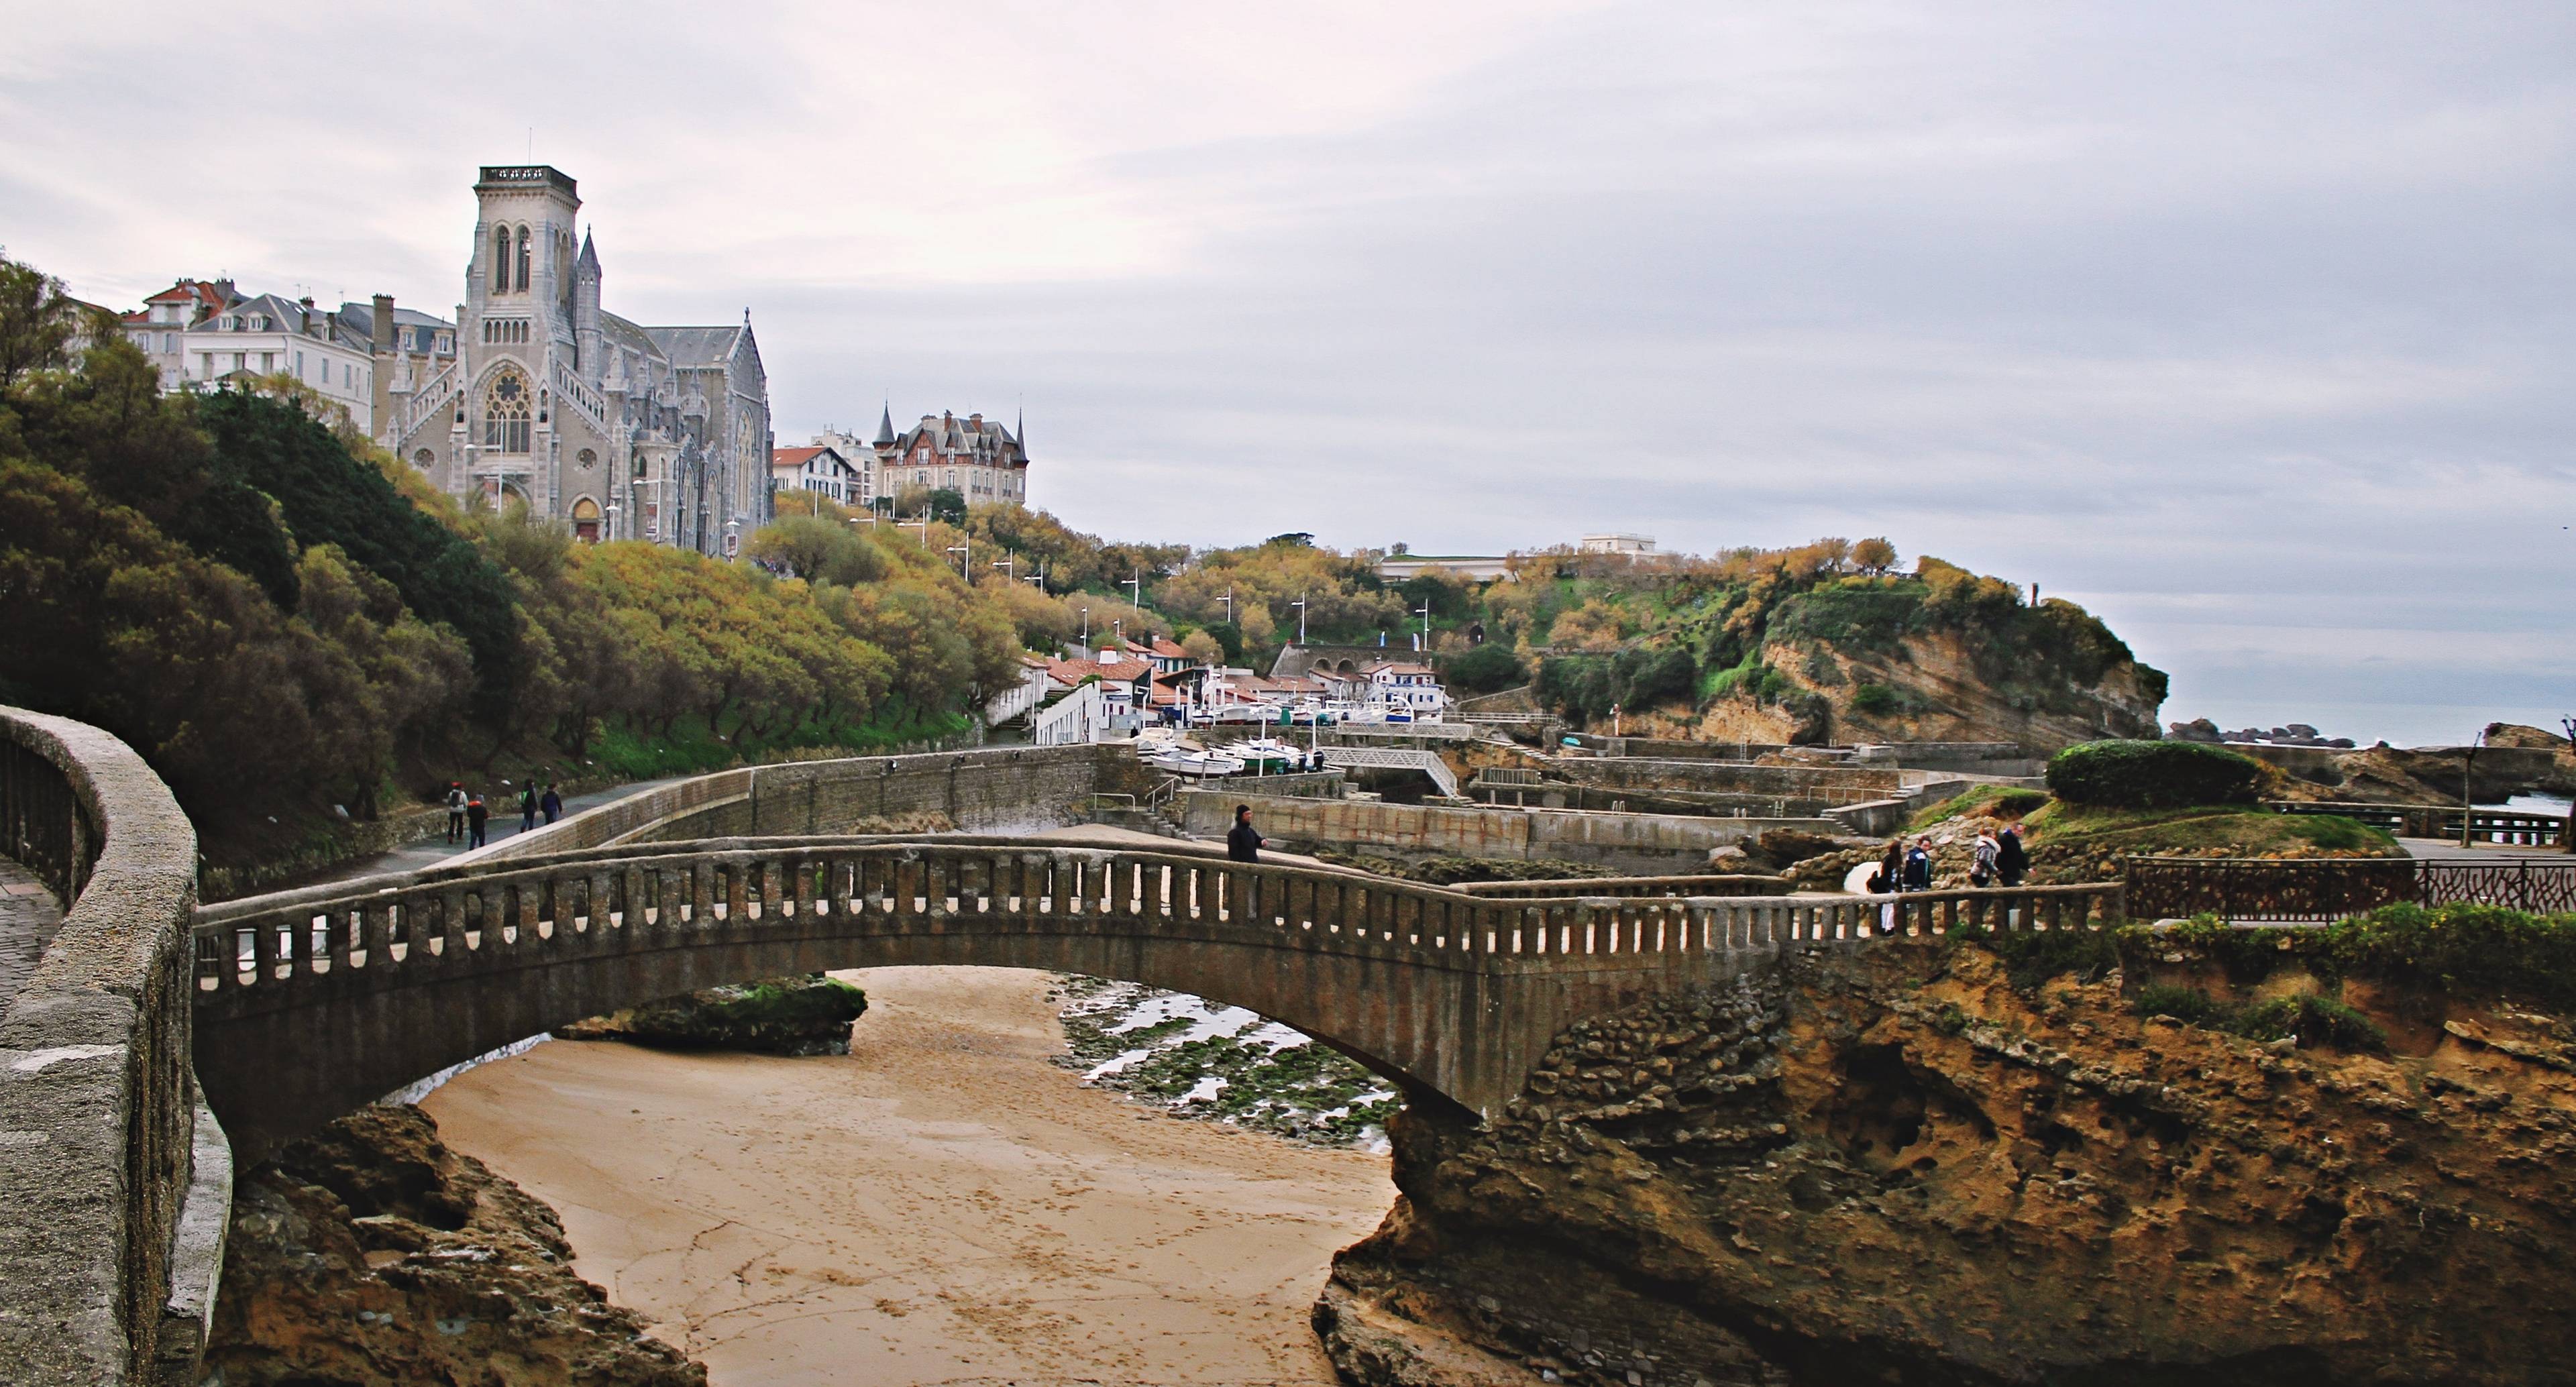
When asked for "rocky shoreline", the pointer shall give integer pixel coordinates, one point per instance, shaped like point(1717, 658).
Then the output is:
point(1898, 1165)
point(375, 1253)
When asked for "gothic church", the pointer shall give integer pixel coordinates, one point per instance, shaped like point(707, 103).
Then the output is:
point(617, 431)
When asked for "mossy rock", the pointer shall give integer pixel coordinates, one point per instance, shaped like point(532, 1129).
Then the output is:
point(807, 1015)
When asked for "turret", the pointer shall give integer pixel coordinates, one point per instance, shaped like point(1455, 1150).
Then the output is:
point(585, 309)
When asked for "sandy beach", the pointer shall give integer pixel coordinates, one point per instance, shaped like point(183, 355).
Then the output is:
point(942, 1206)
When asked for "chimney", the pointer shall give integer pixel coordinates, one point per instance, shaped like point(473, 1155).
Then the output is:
point(312, 325)
point(384, 325)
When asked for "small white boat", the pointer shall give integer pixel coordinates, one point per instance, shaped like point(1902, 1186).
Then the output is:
point(1181, 760)
point(1268, 756)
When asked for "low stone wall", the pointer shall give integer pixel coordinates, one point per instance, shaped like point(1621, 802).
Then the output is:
point(1844, 784)
point(1300, 785)
point(993, 789)
point(1645, 843)
point(98, 1104)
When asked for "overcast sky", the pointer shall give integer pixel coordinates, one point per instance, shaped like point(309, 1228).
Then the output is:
point(2247, 325)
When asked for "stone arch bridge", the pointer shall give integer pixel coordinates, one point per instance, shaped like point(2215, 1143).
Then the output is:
point(311, 1003)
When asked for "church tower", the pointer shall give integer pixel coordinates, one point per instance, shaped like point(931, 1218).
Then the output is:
point(518, 325)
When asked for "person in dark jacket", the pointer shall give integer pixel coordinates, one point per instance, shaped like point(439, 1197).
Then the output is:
point(1891, 869)
point(2011, 858)
point(527, 806)
point(476, 816)
point(552, 804)
point(1918, 866)
point(1243, 841)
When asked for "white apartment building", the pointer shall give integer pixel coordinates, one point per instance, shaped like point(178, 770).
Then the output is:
point(267, 335)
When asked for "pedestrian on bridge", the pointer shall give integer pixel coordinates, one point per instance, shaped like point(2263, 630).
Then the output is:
point(1918, 865)
point(455, 810)
point(552, 804)
point(528, 806)
point(477, 816)
point(1243, 841)
point(2012, 860)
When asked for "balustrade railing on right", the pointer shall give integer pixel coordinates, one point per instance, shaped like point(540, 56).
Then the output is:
point(2326, 889)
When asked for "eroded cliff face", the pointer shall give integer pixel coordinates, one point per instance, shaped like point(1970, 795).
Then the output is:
point(373, 1254)
point(1893, 1166)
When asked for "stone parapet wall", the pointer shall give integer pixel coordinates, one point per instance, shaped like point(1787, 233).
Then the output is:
point(992, 789)
point(1646, 843)
point(1848, 784)
point(97, 1097)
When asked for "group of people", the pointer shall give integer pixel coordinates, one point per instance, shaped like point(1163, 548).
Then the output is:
point(2000, 860)
point(468, 816)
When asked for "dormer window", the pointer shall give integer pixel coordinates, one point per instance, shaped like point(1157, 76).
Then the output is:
point(258, 322)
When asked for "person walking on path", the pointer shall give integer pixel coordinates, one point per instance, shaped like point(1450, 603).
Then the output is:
point(552, 804)
point(527, 806)
point(1918, 865)
point(476, 817)
point(455, 810)
point(2012, 860)
point(1981, 871)
point(1243, 841)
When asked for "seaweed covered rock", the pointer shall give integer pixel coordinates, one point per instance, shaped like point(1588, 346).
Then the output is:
point(806, 1015)
point(1900, 1164)
point(373, 1253)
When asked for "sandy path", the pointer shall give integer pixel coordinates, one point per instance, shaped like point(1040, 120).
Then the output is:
point(942, 1207)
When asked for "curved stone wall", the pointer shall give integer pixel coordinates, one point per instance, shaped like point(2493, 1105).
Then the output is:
point(97, 1101)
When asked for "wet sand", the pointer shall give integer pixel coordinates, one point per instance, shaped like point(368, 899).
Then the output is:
point(943, 1206)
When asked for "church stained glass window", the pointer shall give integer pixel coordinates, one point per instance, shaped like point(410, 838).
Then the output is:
point(505, 414)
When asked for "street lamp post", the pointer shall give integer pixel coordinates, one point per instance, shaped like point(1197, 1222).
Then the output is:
point(1135, 586)
point(1300, 605)
point(924, 524)
point(1009, 564)
point(1424, 612)
point(966, 560)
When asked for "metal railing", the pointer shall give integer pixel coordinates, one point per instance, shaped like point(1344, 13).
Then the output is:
point(1726, 884)
point(2495, 827)
point(2325, 889)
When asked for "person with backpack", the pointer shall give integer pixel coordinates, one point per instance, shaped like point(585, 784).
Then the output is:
point(477, 816)
point(2012, 860)
point(455, 810)
point(552, 804)
point(528, 806)
point(1981, 870)
point(1918, 866)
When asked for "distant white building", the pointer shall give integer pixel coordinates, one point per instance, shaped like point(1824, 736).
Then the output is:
point(1479, 568)
point(822, 469)
point(268, 335)
point(1411, 687)
point(1617, 544)
point(1080, 716)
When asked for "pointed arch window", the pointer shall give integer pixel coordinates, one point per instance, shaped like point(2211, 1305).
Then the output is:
point(523, 260)
point(501, 260)
point(505, 414)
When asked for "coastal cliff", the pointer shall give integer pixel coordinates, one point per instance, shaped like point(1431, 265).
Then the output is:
point(1898, 1164)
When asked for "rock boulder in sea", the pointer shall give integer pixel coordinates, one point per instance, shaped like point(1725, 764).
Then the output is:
point(373, 1253)
point(803, 1015)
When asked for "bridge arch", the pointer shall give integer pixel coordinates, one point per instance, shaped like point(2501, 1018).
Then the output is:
point(315, 1002)
point(311, 1003)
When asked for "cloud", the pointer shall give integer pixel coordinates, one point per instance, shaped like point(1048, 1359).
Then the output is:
point(2247, 323)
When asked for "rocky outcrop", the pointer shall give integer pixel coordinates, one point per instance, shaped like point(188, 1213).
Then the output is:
point(807, 1015)
point(1893, 1165)
point(373, 1253)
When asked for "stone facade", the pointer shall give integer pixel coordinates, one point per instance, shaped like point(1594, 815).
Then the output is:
point(616, 430)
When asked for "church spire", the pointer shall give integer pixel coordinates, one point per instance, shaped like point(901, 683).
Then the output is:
point(885, 426)
point(1020, 433)
point(589, 262)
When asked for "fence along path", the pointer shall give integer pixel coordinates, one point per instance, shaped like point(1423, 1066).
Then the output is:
point(369, 985)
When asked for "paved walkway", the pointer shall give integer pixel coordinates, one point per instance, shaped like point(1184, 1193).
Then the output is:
point(28, 919)
point(429, 852)
point(2449, 849)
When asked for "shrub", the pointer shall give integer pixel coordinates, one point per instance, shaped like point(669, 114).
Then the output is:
point(2151, 775)
point(2313, 1020)
point(2188, 1005)
point(1485, 669)
point(2032, 957)
point(1873, 699)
